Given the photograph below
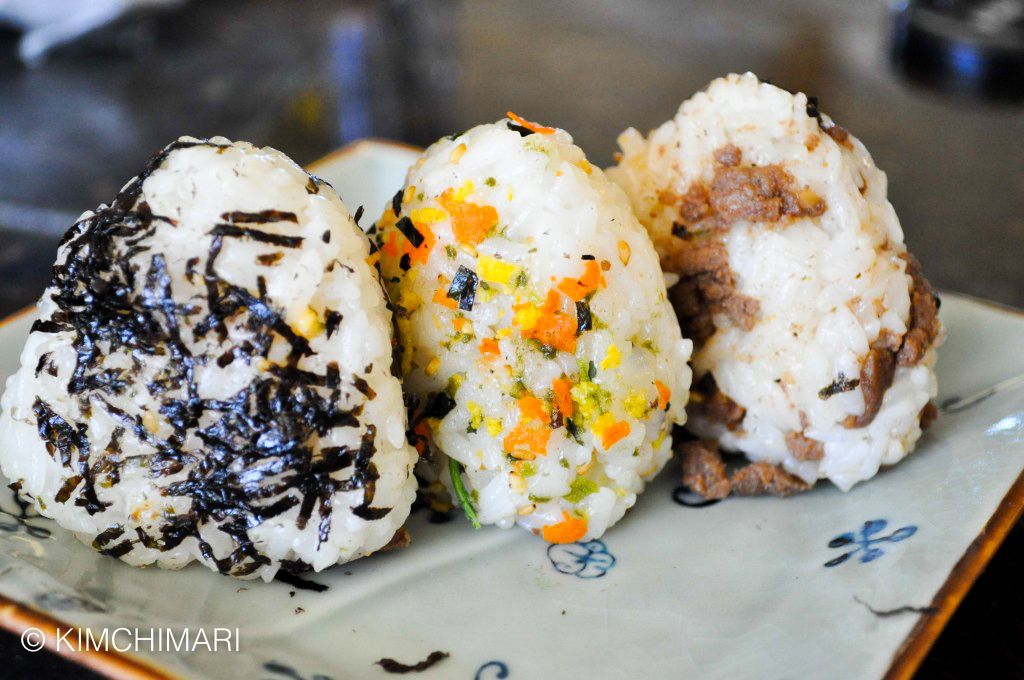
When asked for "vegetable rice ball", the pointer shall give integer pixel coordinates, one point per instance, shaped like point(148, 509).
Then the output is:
point(814, 328)
point(209, 377)
point(534, 328)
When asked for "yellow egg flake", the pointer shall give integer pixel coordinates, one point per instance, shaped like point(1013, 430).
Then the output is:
point(433, 366)
point(308, 325)
point(457, 153)
point(584, 395)
point(504, 332)
point(636, 404)
point(493, 270)
point(462, 192)
point(493, 426)
point(528, 316)
point(605, 421)
point(428, 215)
point(585, 166)
point(657, 442)
point(612, 359)
point(476, 415)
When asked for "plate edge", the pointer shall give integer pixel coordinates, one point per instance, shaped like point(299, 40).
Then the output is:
point(18, 618)
point(965, 572)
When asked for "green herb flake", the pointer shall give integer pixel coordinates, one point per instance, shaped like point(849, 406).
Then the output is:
point(455, 469)
point(580, 488)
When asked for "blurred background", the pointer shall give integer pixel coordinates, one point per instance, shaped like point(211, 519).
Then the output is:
point(89, 89)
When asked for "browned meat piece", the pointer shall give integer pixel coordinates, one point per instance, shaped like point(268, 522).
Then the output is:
point(716, 405)
point(704, 474)
point(758, 479)
point(729, 155)
point(804, 448)
point(400, 540)
point(924, 316)
point(928, 415)
point(703, 469)
point(753, 193)
point(875, 378)
point(708, 287)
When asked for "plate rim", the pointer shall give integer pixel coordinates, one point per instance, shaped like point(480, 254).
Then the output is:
point(16, 617)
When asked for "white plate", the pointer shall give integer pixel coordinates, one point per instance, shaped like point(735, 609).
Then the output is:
point(744, 588)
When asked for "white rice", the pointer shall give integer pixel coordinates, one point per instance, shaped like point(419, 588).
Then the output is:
point(828, 287)
point(545, 212)
point(228, 486)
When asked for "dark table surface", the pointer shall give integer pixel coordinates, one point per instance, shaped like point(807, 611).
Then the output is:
point(306, 76)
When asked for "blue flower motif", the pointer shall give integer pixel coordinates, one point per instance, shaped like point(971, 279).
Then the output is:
point(583, 560)
point(500, 670)
point(25, 513)
point(866, 539)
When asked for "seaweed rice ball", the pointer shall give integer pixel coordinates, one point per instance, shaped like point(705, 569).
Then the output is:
point(814, 328)
point(535, 329)
point(209, 377)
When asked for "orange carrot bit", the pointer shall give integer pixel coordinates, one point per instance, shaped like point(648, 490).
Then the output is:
point(664, 394)
point(422, 431)
point(613, 433)
point(489, 348)
point(592, 279)
point(420, 254)
point(529, 125)
point(563, 399)
point(470, 222)
point(390, 246)
point(459, 324)
point(441, 295)
point(526, 442)
point(569, 530)
point(530, 407)
point(553, 328)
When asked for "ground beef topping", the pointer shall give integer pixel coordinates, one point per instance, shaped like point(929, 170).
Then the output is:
point(928, 415)
point(736, 192)
point(716, 405)
point(804, 448)
point(924, 316)
point(875, 378)
point(705, 474)
point(888, 351)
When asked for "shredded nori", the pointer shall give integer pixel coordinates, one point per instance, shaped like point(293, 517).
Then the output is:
point(410, 231)
point(840, 384)
point(524, 131)
point(573, 430)
point(584, 321)
point(392, 666)
point(396, 202)
point(258, 456)
point(332, 320)
point(463, 288)
point(405, 262)
point(289, 577)
point(439, 406)
point(358, 216)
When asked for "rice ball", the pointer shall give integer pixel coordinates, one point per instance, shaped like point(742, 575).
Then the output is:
point(534, 329)
point(210, 375)
point(814, 328)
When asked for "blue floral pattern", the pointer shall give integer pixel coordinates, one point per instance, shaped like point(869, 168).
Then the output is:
point(866, 539)
point(583, 560)
point(20, 522)
point(500, 671)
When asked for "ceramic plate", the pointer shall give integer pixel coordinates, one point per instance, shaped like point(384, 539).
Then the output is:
point(820, 585)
